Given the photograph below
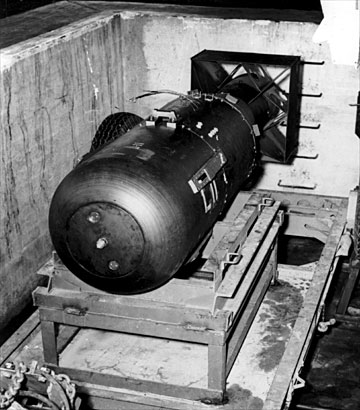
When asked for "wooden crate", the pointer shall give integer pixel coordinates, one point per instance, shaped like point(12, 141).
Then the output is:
point(216, 313)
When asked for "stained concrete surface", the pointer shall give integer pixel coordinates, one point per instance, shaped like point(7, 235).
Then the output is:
point(156, 360)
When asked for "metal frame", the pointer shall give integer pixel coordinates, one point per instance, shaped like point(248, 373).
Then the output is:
point(207, 75)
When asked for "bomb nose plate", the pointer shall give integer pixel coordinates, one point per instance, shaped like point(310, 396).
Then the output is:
point(105, 240)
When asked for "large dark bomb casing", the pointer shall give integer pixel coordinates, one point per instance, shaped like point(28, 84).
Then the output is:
point(128, 216)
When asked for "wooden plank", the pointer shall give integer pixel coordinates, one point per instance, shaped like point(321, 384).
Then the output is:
point(135, 326)
point(254, 298)
point(236, 303)
point(308, 202)
point(305, 324)
point(19, 339)
point(145, 386)
point(235, 273)
point(239, 218)
point(241, 329)
point(234, 238)
point(82, 303)
point(112, 399)
point(103, 397)
point(63, 279)
point(348, 288)
point(49, 341)
point(217, 367)
point(177, 292)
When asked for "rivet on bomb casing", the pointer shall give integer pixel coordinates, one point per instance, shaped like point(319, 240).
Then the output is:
point(114, 265)
point(94, 217)
point(101, 243)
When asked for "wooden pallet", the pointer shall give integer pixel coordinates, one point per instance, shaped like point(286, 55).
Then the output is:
point(216, 313)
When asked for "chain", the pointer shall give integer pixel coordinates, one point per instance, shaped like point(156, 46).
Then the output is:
point(61, 391)
point(65, 381)
point(9, 395)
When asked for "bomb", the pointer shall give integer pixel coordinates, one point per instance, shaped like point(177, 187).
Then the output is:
point(141, 203)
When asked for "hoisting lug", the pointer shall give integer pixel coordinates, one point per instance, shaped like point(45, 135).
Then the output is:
point(324, 326)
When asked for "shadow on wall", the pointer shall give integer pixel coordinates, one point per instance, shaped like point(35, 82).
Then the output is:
point(11, 7)
point(256, 4)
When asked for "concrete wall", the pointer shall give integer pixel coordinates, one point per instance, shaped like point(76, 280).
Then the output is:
point(54, 92)
point(55, 89)
point(163, 47)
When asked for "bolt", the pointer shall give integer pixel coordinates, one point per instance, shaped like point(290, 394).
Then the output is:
point(45, 369)
point(114, 265)
point(101, 243)
point(93, 217)
point(213, 132)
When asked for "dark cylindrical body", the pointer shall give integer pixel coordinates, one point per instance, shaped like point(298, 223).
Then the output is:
point(129, 215)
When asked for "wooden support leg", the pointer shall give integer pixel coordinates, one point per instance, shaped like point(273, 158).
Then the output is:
point(217, 367)
point(273, 263)
point(49, 342)
point(349, 287)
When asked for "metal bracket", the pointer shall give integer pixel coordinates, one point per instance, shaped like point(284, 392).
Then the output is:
point(299, 383)
point(150, 123)
point(75, 311)
point(309, 127)
point(231, 258)
point(280, 217)
point(285, 185)
point(265, 202)
point(345, 244)
point(319, 95)
point(208, 97)
point(357, 121)
point(168, 116)
point(313, 62)
point(314, 156)
point(324, 326)
point(207, 172)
